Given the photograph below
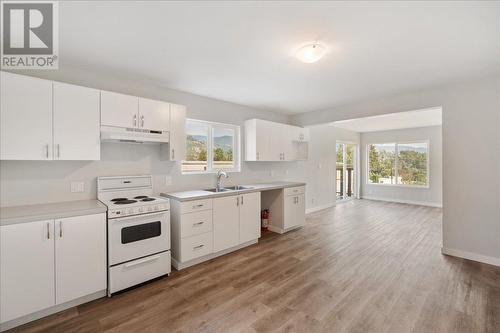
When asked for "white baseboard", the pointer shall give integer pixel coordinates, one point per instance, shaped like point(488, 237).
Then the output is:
point(318, 208)
point(411, 202)
point(471, 256)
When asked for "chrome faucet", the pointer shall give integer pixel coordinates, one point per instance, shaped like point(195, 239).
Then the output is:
point(220, 173)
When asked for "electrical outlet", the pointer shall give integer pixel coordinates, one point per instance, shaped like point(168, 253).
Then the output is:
point(168, 180)
point(272, 173)
point(77, 187)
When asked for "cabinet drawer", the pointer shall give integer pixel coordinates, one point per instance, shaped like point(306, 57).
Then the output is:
point(196, 246)
point(196, 223)
point(195, 206)
point(137, 271)
point(295, 190)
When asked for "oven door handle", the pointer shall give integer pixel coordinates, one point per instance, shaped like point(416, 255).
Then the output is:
point(141, 216)
point(141, 261)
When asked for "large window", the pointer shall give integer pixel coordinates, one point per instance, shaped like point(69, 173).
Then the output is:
point(211, 147)
point(404, 163)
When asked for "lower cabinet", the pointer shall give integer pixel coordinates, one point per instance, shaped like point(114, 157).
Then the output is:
point(46, 263)
point(226, 216)
point(295, 211)
point(201, 228)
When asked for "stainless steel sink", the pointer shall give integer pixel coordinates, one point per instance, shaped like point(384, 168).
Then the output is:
point(239, 187)
point(224, 189)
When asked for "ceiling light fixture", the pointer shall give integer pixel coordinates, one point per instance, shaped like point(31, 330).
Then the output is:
point(311, 52)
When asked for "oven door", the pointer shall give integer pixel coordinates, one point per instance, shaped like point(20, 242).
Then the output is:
point(133, 237)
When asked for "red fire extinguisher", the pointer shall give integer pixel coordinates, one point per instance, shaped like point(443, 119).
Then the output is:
point(264, 218)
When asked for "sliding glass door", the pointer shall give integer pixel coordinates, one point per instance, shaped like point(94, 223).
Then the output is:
point(346, 169)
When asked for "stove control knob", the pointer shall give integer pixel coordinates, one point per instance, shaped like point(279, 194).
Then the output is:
point(130, 211)
point(117, 212)
point(141, 209)
point(156, 207)
point(150, 209)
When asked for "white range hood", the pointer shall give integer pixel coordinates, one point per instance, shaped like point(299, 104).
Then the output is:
point(134, 135)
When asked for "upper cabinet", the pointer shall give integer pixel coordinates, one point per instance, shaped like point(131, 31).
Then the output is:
point(125, 111)
point(26, 118)
point(76, 123)
point(270, 141)
point(154, 115)
point(45, 120)
point(119, 110)
point(177, 146)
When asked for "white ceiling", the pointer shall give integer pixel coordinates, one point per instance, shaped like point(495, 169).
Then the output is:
point(242, 52)
point(391, 121)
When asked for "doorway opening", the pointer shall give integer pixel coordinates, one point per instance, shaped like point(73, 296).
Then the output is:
point(346, 170)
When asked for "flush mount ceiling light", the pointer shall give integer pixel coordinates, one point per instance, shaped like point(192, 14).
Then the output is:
point(311, 52)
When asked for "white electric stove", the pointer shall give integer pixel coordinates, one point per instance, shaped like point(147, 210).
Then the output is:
point(138, 231)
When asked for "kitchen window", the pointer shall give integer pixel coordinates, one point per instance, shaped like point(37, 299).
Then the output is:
point(401, 163)
point(211, 147)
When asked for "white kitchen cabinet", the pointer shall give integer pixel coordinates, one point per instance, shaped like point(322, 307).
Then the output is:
point(80, 256)
point(271, 141)
point(154, 115)
point(26, 268)
point(249, 217)
point(226, 229)
point(76, 122)
point(177, 145)
point(294, 211)
point(25, 118)
point(48, 263)
point(119, 110)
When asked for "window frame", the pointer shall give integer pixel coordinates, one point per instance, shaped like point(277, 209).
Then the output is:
point(396, 151)
point(236, 147)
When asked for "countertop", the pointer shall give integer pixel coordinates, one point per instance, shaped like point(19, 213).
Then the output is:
point(201, 194)
point(30, 213)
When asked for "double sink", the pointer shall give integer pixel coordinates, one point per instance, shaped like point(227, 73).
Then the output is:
point(230, 188)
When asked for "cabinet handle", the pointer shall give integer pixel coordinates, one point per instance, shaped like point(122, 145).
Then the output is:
point(237, 201)
point(197, 206)
point(242, 200)
point(173, 153)
point(198, 247)
point(60, 229)
point(142, 121)
point(48, 230)
point(198, 224)
point(135, 120)
point(257, 155)
point(58, 150)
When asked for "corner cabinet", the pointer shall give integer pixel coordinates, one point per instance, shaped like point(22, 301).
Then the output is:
point(50, 262)
point(271, 141)
point(45, 120)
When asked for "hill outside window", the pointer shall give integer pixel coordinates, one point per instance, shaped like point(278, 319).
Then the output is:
point(211, 147)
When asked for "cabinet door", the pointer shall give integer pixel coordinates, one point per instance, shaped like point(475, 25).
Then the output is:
point(119, 110)
point(26, 268)
point(76, 123)
point(226, 222)
point(287, 146)
point(25, 118)
point(265, 150)
point(80, 256)
point(177, 146)
point(249, 217)
point(154, 115)
point(295, 211)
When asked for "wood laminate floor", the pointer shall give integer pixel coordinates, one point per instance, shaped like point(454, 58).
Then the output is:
point(363, 266)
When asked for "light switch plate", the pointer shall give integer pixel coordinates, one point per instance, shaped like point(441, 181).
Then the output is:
point(77, 187)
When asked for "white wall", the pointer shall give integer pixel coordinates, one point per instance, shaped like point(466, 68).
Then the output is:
point(471, 158)
point(432, 195)
point(319, 170)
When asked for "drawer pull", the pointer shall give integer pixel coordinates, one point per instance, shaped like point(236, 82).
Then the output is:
point(198, 247)
point(142, 261)
point(198, 206)
point(197, 224)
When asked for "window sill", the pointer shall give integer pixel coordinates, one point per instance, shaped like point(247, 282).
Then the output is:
point(208, 172)
point(400, 185)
